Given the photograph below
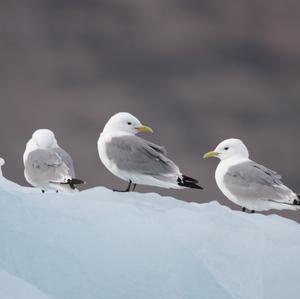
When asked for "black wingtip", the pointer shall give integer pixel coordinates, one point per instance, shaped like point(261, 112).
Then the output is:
point(296, 202)
point(76, 181)
point(188, 182)
point(73, 182)
point(189, 179)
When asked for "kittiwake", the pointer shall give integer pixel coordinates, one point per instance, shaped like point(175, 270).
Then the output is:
point(136, 160)
point(47, 166)
point(248, 184)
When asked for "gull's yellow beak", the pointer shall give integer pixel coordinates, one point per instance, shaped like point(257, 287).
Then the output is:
point(144, 129)
point(211, 155)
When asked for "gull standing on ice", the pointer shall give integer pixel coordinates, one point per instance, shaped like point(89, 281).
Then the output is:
point(248, 184)
point(47, 166)
point(135, 160)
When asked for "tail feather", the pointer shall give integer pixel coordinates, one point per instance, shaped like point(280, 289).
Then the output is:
point(295, 205)
point(188, 182)
point(189, 179)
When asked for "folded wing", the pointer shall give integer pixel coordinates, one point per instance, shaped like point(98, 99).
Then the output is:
point(52, 165)
point(134, 154)
point(252, 181)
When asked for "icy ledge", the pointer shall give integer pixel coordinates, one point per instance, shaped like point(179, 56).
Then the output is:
point(105, 245)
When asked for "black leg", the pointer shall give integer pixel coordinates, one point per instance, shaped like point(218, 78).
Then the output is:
point(134, 185)
point(43, 191)
point(129, 185)
point(252, 212)
point(244, 209)
point(126, 190)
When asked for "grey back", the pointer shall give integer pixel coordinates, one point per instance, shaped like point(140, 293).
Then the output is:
point(135, 154)
point(51, 165)
point(250, 180)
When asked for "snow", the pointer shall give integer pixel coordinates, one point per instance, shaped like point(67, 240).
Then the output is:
point(99, 244)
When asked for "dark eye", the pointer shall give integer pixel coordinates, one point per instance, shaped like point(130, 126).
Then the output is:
point(129, 123)
point(226, 148)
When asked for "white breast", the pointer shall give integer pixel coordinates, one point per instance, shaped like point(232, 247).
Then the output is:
point(103, 139)
point(109, 164)
point(219, 176)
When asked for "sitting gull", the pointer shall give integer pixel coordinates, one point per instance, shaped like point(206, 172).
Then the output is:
point(248, 184)
point(47, 166)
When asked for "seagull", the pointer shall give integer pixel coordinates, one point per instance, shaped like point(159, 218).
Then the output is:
point(47, 166)
point(136, 160)
point(252, 186)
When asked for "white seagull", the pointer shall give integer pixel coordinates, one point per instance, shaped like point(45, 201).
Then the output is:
point(248, 184)
point(47, 166)
point(135, 160)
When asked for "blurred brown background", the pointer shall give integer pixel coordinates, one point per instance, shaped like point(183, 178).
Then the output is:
point(197, 71)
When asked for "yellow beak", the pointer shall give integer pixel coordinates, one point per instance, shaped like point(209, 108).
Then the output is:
point(211, 155)
point(144, 129)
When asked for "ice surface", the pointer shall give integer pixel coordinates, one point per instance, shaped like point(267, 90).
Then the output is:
point(14, 288)
point(106, 245)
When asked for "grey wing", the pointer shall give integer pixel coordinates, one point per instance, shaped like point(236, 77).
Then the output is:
point(66, 158)
point(250, 180)
point(134, 154)
point(44, 166)
point(158, 148)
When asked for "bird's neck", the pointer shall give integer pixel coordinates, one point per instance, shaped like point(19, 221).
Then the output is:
point(116, 133)
point(234, 160)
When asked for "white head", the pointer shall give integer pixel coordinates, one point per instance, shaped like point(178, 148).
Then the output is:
point(44, 139)
point(125, 122)
point(41, 139)
point(229, 148)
